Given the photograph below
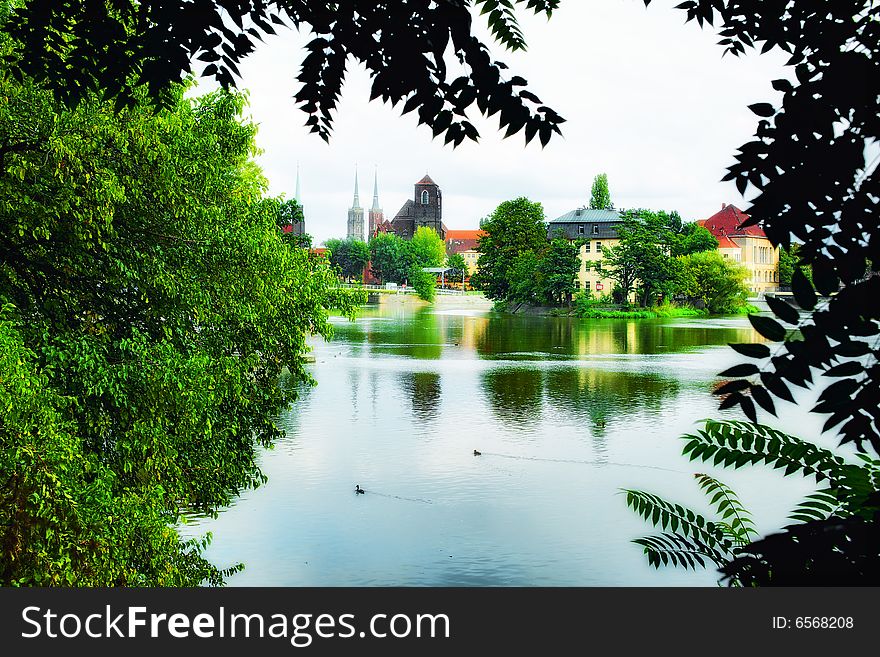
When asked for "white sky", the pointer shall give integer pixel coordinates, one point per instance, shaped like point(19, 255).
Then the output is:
point(648, 100)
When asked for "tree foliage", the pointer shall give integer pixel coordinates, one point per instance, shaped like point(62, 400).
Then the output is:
point(693, 238)
point(149, 306)
point(457, 265)
point(349, 256)
point(557, 270)
point(600, 196)
point(390, 258)
point(427, 247)
point(515, 227)
point(788, 260)
point(643, 259)
point(714, 280)
point(835, 542)
point(114, 47)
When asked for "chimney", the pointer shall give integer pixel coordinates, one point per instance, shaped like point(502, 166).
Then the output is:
point(723, 205)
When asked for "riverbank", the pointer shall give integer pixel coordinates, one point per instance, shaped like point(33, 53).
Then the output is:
point(599, 312)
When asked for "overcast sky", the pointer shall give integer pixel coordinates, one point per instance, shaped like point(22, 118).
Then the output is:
point(648, 99)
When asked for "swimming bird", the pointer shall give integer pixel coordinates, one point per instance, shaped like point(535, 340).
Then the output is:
point(476, 453)
point(358, 489)
point(600, 423)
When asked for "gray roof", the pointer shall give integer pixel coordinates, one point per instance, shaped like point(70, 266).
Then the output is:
point(583, 223)
point(584, 215)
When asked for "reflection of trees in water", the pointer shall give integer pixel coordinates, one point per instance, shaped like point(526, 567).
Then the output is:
point(289, 419)
point(514, 394)
point(423, 388)
point(597, 398)
point(569, 336)
point(602, 398)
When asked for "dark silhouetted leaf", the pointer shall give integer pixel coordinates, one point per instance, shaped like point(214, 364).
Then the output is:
point(768, 327)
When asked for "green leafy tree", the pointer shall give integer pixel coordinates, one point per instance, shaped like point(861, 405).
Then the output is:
point(458, 268)
point(557, 271)
point(149, 306)
point(789, 259)
point(349, 256)
point(390, 258)
point(642, 260)
point(693, 238)
point(600, 197)
point(525, 279)
point(513, 228)
point(427, 247)
point(424, 282)
point(714, 280)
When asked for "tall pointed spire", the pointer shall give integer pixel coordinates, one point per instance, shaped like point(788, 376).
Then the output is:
point(376, 190)
point(356, 213)
point(357, 201)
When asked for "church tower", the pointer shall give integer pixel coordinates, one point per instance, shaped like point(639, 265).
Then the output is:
point(376, 214)
point(428, 210)
point(356, 214)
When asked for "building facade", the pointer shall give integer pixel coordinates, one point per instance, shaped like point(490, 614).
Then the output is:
point(747, 246)
point(464, 242)
point(597, 230)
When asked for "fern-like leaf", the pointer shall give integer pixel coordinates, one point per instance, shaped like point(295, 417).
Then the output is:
point(735, 520)
point(732, 443)
point(821, 505)
point(674, 549)
point(680, 520)
point(502, 23)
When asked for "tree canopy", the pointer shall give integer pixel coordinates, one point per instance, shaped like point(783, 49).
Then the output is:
point(148, 306)
point(113, 47)
point(349, 256)
point(513, 228)
point(600, 197)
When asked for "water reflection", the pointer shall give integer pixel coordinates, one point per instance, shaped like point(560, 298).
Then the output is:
point(423, 389)
point(566, 412)
point(514, 395)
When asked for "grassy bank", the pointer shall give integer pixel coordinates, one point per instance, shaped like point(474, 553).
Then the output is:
point(597, 311)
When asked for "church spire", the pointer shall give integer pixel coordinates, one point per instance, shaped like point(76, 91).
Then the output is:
point(376, 207)
point(357, 200)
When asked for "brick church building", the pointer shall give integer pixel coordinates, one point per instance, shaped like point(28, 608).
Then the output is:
point(424, 209)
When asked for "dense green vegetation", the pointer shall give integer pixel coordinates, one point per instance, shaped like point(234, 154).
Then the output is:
point(396, 260)
point(348, 257)
point(93, 301)
point(149, 306)
point(658, 259)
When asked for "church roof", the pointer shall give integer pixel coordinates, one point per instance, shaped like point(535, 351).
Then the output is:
point(406, 211)
point(426, 181)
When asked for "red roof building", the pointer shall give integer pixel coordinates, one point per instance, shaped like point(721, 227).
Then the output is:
point(748, 246)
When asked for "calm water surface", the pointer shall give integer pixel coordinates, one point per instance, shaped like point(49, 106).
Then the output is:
point(566, 412)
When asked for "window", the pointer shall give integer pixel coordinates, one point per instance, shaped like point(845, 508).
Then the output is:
point(581, 229)
point(595, 229)
point(598, 246)
point(425, 197)
point(587, 247)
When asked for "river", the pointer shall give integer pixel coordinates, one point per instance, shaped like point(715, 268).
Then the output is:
point(565, 412)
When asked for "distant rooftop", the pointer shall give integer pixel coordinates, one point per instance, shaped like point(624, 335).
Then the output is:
point(426, 181)
point(727, 223)
point(581, 215)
